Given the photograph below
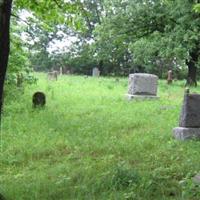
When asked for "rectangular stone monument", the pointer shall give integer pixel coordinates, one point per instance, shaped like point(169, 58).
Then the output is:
point(95, 72)
point(142, 85)
point(189, 124)
point(61, 70)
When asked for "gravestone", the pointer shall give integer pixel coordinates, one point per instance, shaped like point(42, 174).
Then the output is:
point(95, 72)
point(189, 124)
point(169, 77)
point(61, 70)
point(142, 85)
point(39, 99)
point(52, 75)
point(196, 179)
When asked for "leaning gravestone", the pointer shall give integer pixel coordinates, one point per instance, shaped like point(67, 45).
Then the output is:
point(142, 85)
point(39, 99)
point(95, 72)
point(189, 124)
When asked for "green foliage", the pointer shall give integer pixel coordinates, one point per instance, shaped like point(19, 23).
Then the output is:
point(152, 31)
point(19, 68)
point(124, 177)
point(197, 7)
point(124, 36)
point(49, 10)
point(74, 149)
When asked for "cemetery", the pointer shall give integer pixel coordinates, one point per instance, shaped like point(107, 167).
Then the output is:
point(89, 133)
point(99, 100)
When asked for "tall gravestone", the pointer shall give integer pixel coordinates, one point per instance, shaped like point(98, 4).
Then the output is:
point(189, 123)
point(61, 70)
point(142, 85)
point(95, 72)
point(169, 77)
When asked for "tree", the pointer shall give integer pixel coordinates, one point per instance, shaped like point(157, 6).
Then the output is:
point(19, 63)
point(155, 32)
point(58, 12)
point(5, 13)
point(39, 41)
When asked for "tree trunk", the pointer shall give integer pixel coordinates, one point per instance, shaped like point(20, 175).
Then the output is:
point(5, 13)
point(192, 69)
point(191, 79)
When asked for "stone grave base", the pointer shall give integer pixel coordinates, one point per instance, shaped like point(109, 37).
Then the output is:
point(141, 97)
point(181, 133)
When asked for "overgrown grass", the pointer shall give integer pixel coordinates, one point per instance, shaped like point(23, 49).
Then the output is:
point(91, 143)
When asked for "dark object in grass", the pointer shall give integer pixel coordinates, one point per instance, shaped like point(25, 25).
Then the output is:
point(2, 197)
point(39, 99)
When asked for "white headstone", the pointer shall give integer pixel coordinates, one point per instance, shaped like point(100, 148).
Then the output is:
point(95, 72)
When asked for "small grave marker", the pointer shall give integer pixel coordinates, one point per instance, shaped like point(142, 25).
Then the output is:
point(169, 77)
point(39, 99)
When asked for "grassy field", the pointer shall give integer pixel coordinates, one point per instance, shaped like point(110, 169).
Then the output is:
point(90, 143)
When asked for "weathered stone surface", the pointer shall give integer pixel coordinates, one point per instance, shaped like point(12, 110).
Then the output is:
point(52, 75)
point(61, 70)
point(196, 179)
point(130, 97)
point(181, 133)
point(39, 99)
point(169, 77)
point(95, 72)
point(143, 84)
point(190, 114)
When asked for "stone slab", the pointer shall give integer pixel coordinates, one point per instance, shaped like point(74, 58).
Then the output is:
point(95, 72)
point(181, 133)
point(190, 113)
point(141, 97)
point(196, 179)
point(142, 84)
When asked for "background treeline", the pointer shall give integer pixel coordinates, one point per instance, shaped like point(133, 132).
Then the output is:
point(119, 37)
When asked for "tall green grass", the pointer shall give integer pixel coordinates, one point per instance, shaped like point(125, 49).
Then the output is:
point(89, 142)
